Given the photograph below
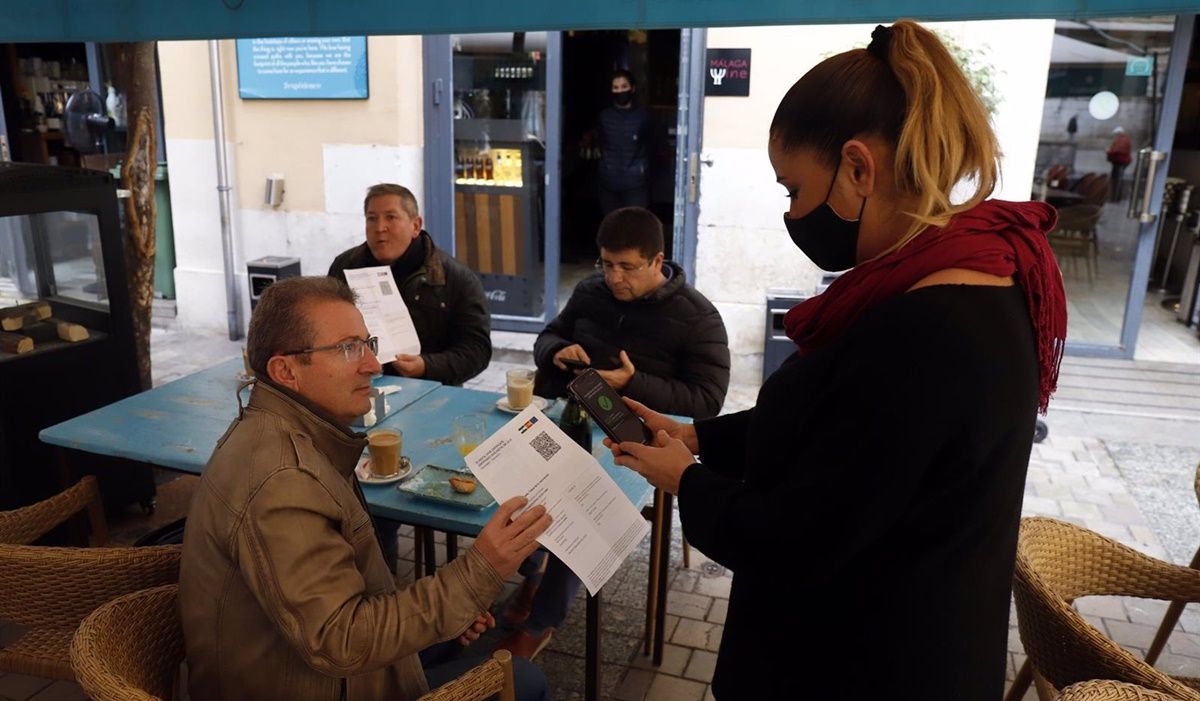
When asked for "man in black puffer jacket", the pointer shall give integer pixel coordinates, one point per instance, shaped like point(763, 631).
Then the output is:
point(444, 298)
point(653, 338)
point(649, 333)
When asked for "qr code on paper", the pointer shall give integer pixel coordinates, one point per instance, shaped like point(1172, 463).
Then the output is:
point(545, 445)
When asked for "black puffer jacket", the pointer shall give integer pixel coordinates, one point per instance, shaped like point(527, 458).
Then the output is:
point(624, 136)
point(448, 310)
point(674, 337)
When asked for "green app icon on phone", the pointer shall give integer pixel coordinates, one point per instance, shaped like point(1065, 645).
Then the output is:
point(605, 403)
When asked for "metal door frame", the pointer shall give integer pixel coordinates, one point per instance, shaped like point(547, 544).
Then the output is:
point(689, 136)
point(1181, 43)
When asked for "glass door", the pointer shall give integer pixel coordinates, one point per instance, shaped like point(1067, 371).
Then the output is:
point(491, 165)
point(1112, 100)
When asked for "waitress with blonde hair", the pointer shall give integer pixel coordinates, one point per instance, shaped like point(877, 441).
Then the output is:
point(885, 461)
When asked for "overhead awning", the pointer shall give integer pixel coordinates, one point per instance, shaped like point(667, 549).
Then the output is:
point(1066, 50)
point(139, 20)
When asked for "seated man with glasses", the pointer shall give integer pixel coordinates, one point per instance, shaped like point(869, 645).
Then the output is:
point(653, 338)
point(283, 590)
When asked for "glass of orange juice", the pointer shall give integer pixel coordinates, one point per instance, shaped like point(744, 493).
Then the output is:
point(469, 432)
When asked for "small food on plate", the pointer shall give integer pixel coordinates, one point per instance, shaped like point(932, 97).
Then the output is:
point(462, 485)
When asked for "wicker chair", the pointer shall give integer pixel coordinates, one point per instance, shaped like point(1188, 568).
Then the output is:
point(483, 682)
point(1171, 617)
point(1111, 691)
point(1059, 562)
point(1075, 236)
point(130, 648)
point(24, 525)
point(48, 591)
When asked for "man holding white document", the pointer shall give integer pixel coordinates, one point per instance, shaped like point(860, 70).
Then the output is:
point(443, 297)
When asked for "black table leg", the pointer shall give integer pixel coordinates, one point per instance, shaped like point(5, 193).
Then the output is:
point(451, 547)
point(591, 684)
point(664, 566)
point(430, 553)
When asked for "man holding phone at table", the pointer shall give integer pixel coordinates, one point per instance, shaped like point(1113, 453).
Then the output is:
point(652, 337)
point(283, 588)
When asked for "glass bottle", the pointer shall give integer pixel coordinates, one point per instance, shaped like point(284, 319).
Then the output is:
point(576, 424)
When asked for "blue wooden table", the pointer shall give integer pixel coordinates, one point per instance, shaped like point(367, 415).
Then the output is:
point(428, 440)
point(178, 424)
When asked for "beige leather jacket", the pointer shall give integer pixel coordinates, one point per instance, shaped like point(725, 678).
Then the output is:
point(284, 593)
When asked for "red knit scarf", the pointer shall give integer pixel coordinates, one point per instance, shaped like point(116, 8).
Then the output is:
point(996, 237)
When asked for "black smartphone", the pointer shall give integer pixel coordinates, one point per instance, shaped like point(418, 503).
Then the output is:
point(607, 409)
point(573, 364)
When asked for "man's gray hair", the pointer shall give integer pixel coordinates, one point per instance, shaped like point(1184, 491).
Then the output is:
point(408, 201)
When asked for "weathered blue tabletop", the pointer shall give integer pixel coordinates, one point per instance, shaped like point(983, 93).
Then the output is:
point(427, 425)
point(178, 425)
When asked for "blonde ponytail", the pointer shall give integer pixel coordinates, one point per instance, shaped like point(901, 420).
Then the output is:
point(946, 137)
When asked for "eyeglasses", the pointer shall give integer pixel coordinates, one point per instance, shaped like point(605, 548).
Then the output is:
point(608, 268)
point(353, 349)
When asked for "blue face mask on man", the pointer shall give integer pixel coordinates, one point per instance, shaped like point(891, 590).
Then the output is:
point(828, 240)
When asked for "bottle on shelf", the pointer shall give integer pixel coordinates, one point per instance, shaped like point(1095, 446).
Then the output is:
point(576, 424)
point(488, 171)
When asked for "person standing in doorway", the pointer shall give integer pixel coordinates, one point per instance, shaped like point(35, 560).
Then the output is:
point(1119, 155)
point(623, 131)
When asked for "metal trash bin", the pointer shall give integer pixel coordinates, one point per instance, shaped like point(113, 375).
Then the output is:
point(263, 271)
point(777, 346)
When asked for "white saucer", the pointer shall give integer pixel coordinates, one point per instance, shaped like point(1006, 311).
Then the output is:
point(363, 470)
point(539, 402)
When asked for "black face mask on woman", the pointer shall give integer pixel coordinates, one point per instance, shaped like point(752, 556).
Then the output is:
point(622, 99)
point(824, 236)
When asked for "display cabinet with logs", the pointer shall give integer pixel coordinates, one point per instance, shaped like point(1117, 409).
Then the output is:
point(66, 335)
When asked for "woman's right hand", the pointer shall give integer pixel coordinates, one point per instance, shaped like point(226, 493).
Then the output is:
point(657, 422)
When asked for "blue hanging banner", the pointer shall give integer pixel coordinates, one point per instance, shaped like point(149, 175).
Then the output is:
point(302, 68)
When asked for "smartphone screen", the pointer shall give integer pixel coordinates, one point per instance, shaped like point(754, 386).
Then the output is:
point(605, 406)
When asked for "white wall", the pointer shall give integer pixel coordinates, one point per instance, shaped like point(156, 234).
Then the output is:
point(743, 249)
point(328, 151)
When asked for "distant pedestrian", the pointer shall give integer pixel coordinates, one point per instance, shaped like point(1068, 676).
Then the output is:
point(1119, 155)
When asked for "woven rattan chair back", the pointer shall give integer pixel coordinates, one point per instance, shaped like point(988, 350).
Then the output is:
point(26, 524)
point(1059, 562)
point(1112, 691)
point(48, 591)
point(485, 681)
point(130, 648)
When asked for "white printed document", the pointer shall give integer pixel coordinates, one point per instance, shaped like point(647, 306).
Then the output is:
point(595, 525)
point(384, 311)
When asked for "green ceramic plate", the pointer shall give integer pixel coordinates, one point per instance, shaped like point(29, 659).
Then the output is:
point(433, 482)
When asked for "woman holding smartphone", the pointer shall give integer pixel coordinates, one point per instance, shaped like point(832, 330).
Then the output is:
point(887, 457)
